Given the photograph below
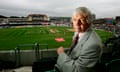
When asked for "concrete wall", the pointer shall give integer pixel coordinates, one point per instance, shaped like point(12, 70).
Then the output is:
point(27, 57)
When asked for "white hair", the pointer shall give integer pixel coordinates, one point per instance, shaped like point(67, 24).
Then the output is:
point(84, 11)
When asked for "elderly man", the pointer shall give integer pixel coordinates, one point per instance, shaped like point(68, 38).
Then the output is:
point(86, 49)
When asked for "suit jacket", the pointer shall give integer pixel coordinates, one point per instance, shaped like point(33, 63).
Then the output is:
point(84, 56)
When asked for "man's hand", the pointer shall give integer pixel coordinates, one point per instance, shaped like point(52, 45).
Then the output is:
point(60, 50)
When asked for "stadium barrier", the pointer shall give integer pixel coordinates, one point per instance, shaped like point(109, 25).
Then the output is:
point(21, 57)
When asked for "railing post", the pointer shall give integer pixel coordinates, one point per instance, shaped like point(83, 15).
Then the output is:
point(37, 51)
point(17, 56)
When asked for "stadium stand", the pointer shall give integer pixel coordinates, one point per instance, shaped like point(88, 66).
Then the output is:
point(112, 59)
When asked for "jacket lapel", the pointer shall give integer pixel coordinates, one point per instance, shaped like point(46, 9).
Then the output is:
point(82, 41)
point(85, 37)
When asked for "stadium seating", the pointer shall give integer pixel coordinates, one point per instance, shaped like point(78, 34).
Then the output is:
point(43, 65)
point(112, 59)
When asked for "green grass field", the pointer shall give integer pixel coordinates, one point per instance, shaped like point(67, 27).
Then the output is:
point(12, 37)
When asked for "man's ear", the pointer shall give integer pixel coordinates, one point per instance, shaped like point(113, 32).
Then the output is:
point(85, 15)
point(71, 23)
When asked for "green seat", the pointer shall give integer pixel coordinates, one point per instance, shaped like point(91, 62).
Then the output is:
point(51, 71)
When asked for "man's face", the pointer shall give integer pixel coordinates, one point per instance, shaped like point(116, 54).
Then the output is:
point(79, 23)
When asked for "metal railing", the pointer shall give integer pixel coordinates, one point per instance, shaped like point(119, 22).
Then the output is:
point(35, 47)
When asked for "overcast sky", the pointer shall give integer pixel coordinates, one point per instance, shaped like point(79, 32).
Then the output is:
point(102, 8)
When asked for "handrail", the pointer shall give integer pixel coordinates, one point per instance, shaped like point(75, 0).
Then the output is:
point(35, 47)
